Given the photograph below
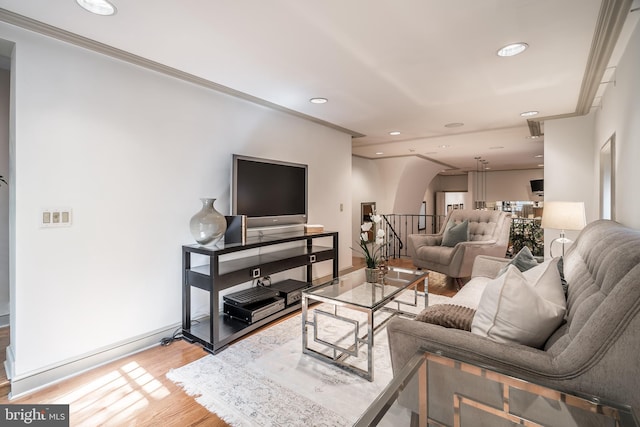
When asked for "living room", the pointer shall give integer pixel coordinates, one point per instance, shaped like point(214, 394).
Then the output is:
point(131, 150)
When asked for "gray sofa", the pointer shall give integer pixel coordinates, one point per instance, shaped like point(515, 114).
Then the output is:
point(596, 351)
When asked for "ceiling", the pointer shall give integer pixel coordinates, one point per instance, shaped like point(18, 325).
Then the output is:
point(411, 66)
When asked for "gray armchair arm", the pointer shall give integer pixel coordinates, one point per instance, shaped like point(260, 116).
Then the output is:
point(418, 240)
point(466, 252)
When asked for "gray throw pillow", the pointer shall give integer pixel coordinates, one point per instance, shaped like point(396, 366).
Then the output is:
point(523, 261)
point(565, 285)
point(455, 233)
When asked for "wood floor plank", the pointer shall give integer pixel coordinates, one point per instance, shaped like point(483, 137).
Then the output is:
point(130, 391)
point(134, 390)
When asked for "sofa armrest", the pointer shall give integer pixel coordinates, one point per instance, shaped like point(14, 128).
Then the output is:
point(488, 266)
point(406, 337)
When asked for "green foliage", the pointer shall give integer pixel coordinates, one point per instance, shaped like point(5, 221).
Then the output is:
point(526, 232)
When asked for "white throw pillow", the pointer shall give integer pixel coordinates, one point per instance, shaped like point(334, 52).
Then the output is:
point(533, 274)
point(512, 309)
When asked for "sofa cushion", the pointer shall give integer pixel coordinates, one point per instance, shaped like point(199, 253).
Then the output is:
point(523, 260)
point(448, 315)
point(469, 295)
point(455, 233)
point(512, 309)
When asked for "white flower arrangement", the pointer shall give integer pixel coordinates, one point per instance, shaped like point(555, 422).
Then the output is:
point(372, 257)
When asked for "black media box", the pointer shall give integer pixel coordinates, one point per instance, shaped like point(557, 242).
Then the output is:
point(290, 290)
point(254, 312)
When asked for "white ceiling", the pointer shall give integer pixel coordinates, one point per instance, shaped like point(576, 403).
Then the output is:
point(408, 65)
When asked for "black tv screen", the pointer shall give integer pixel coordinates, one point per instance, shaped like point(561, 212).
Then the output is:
point(269, 192)
point(537, 185)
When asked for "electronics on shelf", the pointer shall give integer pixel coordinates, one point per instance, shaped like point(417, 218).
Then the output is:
point(290, 290)
point(256, 311)
point(250, 296)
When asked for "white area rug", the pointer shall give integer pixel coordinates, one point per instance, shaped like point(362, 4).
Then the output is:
point(265, 380)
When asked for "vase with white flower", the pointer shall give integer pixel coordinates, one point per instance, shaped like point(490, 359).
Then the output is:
point(372, 250)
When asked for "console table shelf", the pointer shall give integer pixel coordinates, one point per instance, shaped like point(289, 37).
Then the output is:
point(217, 331)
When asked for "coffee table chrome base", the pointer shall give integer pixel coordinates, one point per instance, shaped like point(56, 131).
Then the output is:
point(340, 354)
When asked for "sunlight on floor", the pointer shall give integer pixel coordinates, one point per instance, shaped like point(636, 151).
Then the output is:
point(115, 397)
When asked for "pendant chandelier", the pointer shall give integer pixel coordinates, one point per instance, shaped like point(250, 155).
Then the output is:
point(481, 183)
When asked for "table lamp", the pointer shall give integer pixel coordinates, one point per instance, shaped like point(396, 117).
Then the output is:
point(563, 216)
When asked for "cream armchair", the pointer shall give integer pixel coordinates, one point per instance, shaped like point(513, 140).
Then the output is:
point(488, 235)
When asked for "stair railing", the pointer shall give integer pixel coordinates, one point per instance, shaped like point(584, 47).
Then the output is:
point(399, 226)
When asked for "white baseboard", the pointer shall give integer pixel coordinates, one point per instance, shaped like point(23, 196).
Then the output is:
point(31, 382)
point(4, 320)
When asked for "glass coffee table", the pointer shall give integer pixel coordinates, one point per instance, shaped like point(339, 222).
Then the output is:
point(342, 331)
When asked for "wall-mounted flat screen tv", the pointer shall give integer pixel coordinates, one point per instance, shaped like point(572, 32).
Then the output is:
point(268, 192)
point(537, 185)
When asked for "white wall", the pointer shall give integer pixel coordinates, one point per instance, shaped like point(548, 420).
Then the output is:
point(397, 185)
point(512, 185)
point(620, 114)
point(366, 185)
point(456, 183)
point(569, 173)
point(453, 183)
point(130, 151)
point(572, 146)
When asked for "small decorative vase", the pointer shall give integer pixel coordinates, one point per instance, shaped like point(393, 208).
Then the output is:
point(208, 225)
point(372, 275)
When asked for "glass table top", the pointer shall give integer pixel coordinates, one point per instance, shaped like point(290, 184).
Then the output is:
point(352, 288)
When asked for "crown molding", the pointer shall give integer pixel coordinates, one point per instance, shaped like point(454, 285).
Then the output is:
point(611, 19)
point(86, 43)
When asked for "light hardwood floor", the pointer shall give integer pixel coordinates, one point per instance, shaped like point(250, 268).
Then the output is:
point(134, 391)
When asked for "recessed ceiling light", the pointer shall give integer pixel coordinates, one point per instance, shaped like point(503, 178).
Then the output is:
point(454, 125)
point(541, 166)
point(512, 49)
point(99, 7)
point(533, 137)
point(318, 100)
point(394, 132)
point(443, 146)
point(379, 153)
point(538, 156)
point(528, 113)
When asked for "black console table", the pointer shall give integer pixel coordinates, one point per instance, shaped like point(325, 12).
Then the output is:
point(234, 264)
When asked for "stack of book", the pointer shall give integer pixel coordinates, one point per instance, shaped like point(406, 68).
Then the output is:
point(313, 228)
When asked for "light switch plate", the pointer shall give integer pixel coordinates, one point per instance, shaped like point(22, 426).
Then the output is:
point(55, 217)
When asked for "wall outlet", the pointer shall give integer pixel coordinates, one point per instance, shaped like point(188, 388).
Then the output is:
point(55, 217)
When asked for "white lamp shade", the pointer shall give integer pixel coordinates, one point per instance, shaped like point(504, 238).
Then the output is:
point(564, 215)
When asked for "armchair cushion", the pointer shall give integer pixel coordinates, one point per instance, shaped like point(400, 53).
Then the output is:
point(455, 233)
point(513, 310)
